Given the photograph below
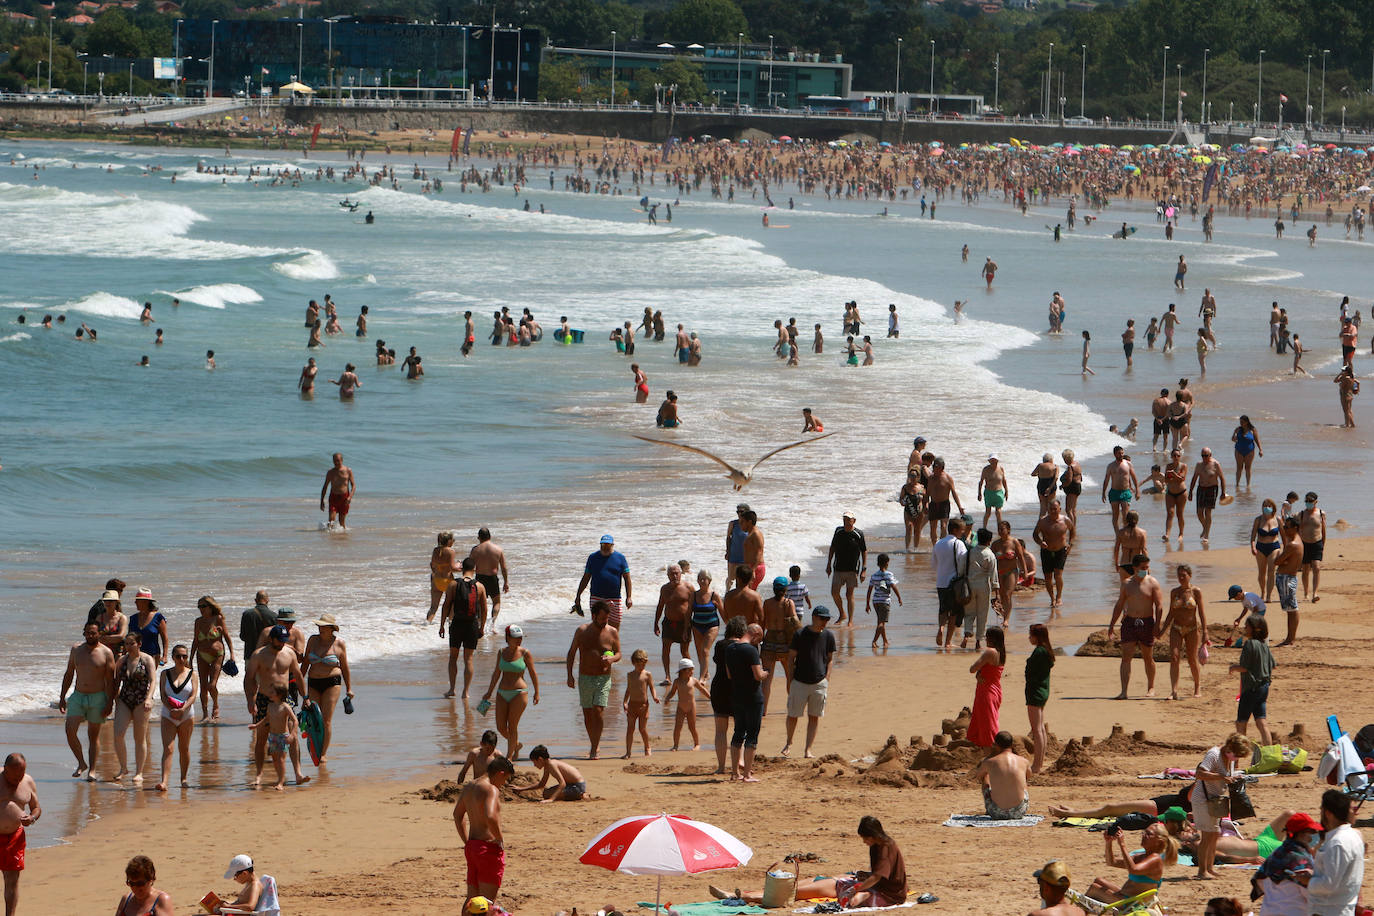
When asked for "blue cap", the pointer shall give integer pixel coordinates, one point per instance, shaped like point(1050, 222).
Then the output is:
point(822, 611)
point(607, 539)
point(781, 581)
point(281, 633)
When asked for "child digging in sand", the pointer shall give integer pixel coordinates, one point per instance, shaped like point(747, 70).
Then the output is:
point(283, 729)
point(638, 691)
point(682, 688)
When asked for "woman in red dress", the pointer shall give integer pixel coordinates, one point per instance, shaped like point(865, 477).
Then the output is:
point(987, 698)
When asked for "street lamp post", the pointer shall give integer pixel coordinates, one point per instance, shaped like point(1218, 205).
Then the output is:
point(996, 80)
point(739, 69)
point(176, 46)
point(897, 84)
point(770, 72)
point(1259, 89)
point(1321, 114)
point(329, 24)
point(1164, 82)
point(1045, 95)
point(933, 106)
point(1205, 52)
point(612, 68)
point(466, 85)
point(50, 18)
point(83, 77)
point(300, 49)
point(100, 77)
point(210, 89)
point(131, 76)
point(517, 65)
point(1083, 85)
point(1307, 94)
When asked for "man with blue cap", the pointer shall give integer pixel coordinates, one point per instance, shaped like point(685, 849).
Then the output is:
point(274, 665)
point(780, 623)
point(812, 650)
point(605, 570)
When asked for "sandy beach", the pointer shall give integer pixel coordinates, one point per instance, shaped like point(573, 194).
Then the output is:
point(381, 844)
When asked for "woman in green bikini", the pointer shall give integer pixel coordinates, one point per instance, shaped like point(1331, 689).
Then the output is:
point(1145, 872)
point(508, 683)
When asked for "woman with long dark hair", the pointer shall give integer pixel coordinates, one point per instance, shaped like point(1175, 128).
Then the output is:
point(987, 698)
point(1038, 666)
point(720, 685)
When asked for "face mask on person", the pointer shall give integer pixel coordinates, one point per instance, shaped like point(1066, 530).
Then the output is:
point(1311, 503)
point(1141, 573)
point(1268, 510)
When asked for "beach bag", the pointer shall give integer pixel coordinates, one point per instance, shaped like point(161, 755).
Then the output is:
point(463, 605)
point(1241, 807)
point(1219, 807)
point(1267, 759)
point(1203, 653)
point(1294, 759)
point(963, 592)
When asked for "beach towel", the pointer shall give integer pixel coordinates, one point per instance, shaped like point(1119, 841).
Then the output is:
point(982, 820)
point(862, 909)
point(707, 908)
point(1170, 773)
point(1087, 823)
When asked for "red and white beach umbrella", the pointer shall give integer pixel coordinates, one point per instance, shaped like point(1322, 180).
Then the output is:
point(664, 844)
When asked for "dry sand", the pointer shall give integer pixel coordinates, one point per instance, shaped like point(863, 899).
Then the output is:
point(384, 847)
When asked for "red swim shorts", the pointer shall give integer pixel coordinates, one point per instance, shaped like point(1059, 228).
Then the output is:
point(759, 573)
point(338, 504)
point(12, 850)
point(486, 862)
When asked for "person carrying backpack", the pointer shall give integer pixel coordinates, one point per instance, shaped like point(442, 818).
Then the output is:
point(465, 615)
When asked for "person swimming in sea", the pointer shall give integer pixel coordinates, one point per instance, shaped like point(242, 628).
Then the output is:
point(667, 412)
point(810, 422)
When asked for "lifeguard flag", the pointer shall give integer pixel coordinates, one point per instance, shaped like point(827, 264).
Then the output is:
point(457, 135)
point(467, 141)
point(314, 135)
point(1282, 97)
point(1208, 180)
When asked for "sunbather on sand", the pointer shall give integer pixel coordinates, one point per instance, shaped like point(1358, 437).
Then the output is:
point(1151, 806)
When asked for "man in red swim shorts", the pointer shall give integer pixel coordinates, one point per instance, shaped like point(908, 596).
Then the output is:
point(340, 486)
point(477, 815)
point(753, 546)
point(19, 808)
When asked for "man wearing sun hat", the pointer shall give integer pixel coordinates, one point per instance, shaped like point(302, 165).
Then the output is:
point(605, 571)
point(1054, 889)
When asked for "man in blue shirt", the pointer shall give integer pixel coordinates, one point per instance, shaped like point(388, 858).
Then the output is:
point(604, 571)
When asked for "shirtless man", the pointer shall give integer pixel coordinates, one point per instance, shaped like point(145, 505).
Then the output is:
point(1312, 528)
point(940, 490)
point(568, 782)
point(1006, 797)
point(1169, 321)
point(340, 486)
point(274, 665)
point(19, 808)
point(477, 815)
point(443, 562)
point(1128, 342)
point(989, 272)
point(596, 647)
point(915, 460)
point(780, 623)
point(1208, 481)
point(1119, 485)
point(1054, 880)
point(682, 345)
point(753, 546)
point(465, 615)
point(490, 560)
point(992, 489)
point(674, 607)
point(1286, 574)
point(1142, 600)
point(1130, 542)
point(742, 599)
point(1054, 533)
point(1159, 410)
point(92, 664)
point(295, 639)
point(1046, 482)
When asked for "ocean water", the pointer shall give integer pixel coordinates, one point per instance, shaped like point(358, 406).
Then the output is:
point(194, 482)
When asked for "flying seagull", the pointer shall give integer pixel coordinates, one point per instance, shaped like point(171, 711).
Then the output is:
point(737, 477)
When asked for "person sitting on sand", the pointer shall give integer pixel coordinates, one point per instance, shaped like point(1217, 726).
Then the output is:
point(1231, 850)
point(570, 785)
point(258, 894)
point(480, 757)
point(1003, 775)
point(1145, 872)
point(883, 885)
point(1054, 880)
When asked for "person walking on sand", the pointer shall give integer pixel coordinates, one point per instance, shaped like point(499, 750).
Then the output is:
point(1256, 669)
point(1186, 627)
point(671, 617)
point(809, 659)
point(477, 817)
point(1054, 533)
point(340, 486)
point(1119, 485)
point(1312, 528)
point(993, 491)
point(1038, 666)
point(606, 571)
point(1087, 351)
point(744, 667)
point(1247, 443)
point(1142, 600)
point(847, 564)
point(1175, 492)
point(596, 648)
point(465, 617)
point(1209, 480)
point(940, 491)
point(19, 808)
point(91, 665)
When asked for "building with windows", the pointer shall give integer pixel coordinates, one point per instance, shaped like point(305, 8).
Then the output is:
point(735, 74)
point(359, 55)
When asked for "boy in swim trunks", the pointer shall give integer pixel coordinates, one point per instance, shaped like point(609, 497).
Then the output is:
point(683, 687)
point(569, 784)
point(283, 730)
point(992, 489)
point(480, 757)
point(639, 690)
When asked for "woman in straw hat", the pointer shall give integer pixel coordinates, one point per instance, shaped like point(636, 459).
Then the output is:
point(326, 674)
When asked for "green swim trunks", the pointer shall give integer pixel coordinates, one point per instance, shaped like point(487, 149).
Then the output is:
point(1267, 842)
point(88, 706)
point(994, 499)
point(594, 690)
point(1119, 496)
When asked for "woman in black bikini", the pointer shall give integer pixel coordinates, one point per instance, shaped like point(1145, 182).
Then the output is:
point(143, 899)
point(1175, 491)
point(1071, 482)
point(134, 674)
point(1044, 475)
point(1264, 545)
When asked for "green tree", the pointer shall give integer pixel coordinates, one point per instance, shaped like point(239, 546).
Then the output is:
point(691, 84)
point(115, 35)
point(705, 21)
point(560, 80)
